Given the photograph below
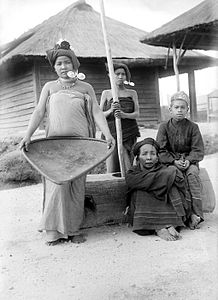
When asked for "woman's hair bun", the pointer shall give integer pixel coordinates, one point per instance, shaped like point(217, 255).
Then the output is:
point(63, 45)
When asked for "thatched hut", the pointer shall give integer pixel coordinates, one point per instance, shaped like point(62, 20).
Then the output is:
point(212, 106)
point(197, 28)
point(24, 69)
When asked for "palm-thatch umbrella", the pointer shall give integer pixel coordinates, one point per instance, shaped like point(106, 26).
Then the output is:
point(195, 29)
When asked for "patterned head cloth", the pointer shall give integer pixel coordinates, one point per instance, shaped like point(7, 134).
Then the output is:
point(149, 141)
point(180, 96)
point(62, 49)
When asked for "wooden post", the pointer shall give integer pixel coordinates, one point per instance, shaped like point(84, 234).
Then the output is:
point(114, 90)
point(192, 95)
point(208, 109)
point(175, 66)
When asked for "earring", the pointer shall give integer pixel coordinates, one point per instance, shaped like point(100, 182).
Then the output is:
point(81, 76)
point(129, 83)
point(72, 74)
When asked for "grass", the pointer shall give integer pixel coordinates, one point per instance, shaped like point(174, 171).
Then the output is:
point(16, 170)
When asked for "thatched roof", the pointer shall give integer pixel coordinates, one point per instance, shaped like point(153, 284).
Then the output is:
point(199, 25)
point(213, 94)
point(81, 26)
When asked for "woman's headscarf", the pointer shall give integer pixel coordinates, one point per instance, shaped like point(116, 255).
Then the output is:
point(138, 145)
point(62, 49)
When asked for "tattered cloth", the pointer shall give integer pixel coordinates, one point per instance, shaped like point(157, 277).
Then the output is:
point(157, 196)
point(129, 126)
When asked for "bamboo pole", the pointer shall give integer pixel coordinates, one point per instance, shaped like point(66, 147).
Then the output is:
point(175, 66)
point(113, 89)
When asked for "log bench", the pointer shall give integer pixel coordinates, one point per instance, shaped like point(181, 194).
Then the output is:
point(109, 192)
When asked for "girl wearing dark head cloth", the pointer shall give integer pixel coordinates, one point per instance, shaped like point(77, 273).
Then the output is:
point(156, 194)
point(128, 110)
point(72, 111)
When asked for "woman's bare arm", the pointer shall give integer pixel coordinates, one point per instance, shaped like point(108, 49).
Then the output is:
point(104, 97)
point(99, 116)
point(36, 116)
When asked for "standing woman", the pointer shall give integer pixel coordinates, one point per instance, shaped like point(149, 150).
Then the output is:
point(128, 110)
point(72, 111)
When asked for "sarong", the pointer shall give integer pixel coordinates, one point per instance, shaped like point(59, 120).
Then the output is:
point(130, 132)
point(64, 204)
point(157, 198)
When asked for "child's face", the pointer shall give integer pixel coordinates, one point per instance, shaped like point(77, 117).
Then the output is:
point(120, 75)
point(178, 109)
point(63, 64)
point(148, 156)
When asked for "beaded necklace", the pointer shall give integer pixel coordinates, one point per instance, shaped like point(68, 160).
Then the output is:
point(67, 87)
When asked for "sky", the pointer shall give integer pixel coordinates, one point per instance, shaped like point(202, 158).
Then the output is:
point(18, 16)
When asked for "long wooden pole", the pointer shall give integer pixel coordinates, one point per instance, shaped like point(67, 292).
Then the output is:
point(175, 66)
point(113, 89)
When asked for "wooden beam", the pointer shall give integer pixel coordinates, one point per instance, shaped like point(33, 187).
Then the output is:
point(36, 81)
point(157, 96)
point(192, 95)
point(175, 66)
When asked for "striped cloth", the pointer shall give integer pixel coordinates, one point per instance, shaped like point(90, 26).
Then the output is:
point(193, 191)
point(157, 197)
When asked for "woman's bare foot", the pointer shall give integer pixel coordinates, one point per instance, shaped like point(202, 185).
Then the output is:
point(194, 222)
point(58, 241)
point(165, 235)
point(174, 232)
point(77, 239)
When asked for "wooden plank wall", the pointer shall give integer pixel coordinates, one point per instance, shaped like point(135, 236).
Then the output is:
point(16, 100)
point(145, 79)
point(146, 85)
point(20, 91)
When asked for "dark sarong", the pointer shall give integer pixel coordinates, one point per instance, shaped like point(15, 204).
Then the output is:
point(157, 197)
point(129, 126)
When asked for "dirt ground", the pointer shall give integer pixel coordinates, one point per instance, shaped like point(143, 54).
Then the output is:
point(114, 263)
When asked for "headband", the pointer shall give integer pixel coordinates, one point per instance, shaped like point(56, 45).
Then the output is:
point(149, 141)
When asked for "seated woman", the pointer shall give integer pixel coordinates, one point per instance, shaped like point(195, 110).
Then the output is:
point(156, 194)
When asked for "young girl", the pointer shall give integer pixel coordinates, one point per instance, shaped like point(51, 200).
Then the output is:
point(72, 111)
point(128, 110)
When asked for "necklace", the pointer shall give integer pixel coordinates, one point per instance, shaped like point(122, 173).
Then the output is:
point(67, 87)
